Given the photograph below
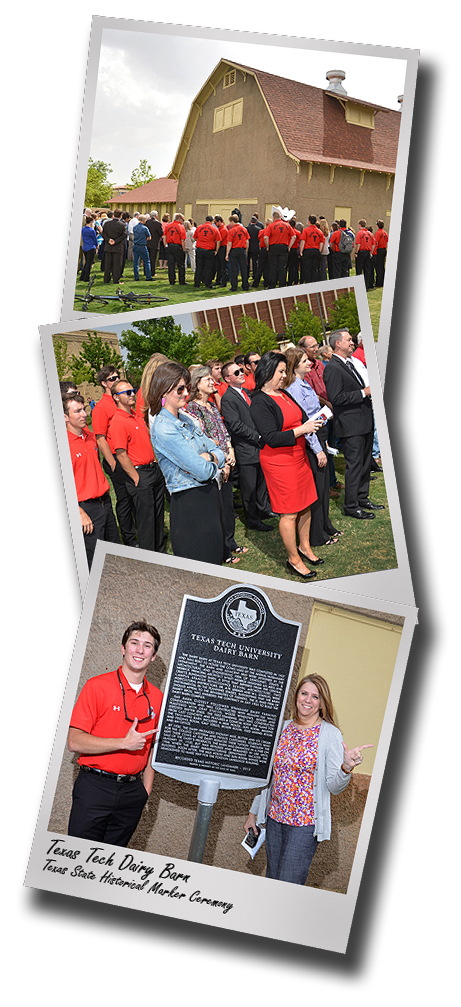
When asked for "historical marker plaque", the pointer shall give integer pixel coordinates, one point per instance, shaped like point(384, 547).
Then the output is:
point(227, 685)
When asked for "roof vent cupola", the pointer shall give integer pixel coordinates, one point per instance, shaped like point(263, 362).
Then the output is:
point(335, 78)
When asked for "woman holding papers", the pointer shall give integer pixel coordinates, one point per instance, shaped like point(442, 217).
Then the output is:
point(322, 532)
point(311, 763)
point(283, 426)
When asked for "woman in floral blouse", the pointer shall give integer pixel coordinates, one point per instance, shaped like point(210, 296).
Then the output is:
point(201, 406)
point(311, 762)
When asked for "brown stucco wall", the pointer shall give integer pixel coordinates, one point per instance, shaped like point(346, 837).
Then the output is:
point(274, 312)
point(249, 162)
point(129, 590)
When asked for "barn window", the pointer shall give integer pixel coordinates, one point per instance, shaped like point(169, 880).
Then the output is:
point(229, 78)
point(228, 116)
point(360, 115)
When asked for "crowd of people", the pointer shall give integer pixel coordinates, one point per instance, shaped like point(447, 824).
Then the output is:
point(261, 427)
point(280, 252)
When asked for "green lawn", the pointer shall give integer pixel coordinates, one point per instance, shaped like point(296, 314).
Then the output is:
point(159, 287)
point(366, 546)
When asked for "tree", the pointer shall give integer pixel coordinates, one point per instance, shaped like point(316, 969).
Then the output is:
point(255, 336)
point(157, 335)
point(213, 345)
point(93, 355)
point(303, 322)
point(61, 355)
point(98, 188)
point(141, 175)
point(345, 313)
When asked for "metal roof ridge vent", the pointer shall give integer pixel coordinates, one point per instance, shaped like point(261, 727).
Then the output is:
point(335, 78)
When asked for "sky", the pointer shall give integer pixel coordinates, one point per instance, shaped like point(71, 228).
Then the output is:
point(147, 82)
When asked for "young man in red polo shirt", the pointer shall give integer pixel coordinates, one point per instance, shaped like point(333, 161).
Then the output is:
point(310, 250)
point(100, 418)
point(112, 727)
point(129, 440)
point(279, 238)
point(364, 247)
point(207, 244)
point(174, 239)
point(221, 266)
point(380, 252)
point(238, 240)
point(93, 493)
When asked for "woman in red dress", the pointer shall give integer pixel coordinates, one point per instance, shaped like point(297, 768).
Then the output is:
point(283, 426)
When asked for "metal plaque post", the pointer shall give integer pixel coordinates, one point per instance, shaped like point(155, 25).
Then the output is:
point(207, 795)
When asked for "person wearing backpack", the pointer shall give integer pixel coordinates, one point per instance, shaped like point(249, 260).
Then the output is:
point(341, 246)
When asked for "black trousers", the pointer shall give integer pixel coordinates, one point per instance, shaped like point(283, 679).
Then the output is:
point(105, 528)
point(204, 266)
point(153, 252)
point(253, 491)
point(113, 262)
point(148, 499)
point(380, 265)
point(89, 259)
point(221, 269)
point(123, 507)
point(310, 265)
point(176, 257)
point(196, 523)
point(278, 258)
point(363, 264)
point(105, 810)
point(238, 261)
point(357, 452)
point(262, 269)
point(321, 527)
point(294, 263)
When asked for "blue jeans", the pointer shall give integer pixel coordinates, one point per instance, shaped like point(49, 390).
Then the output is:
point(140, 251)
point(289, 850)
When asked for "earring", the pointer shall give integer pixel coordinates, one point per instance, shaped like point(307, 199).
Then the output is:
point(163, 401)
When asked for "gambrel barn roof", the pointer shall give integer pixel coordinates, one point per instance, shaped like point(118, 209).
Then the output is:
point(310, 122)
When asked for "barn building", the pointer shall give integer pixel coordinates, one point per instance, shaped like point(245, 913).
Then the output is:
point(253, 140)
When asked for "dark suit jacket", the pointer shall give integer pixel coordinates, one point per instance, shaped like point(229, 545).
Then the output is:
point(353, 413)
point(244, 435)
point(156, 231)
point(268, 418)
point(114, 228)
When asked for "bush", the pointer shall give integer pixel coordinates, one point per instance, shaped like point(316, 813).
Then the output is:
point(254, 336)
point(303, 322)
point(345, 314)
point(213, 345)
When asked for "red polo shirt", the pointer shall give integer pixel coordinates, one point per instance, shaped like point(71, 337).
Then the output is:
point(314, 378)
point(261, 236)
point(312, 237)
point(99, 711)
point(279, 232)
point(238, 236)
point(364, 240)
point(102, 414)
point(207, 236)
point(174, 233)
point(90, 481)
point(128, 431)
point(223, 232)
point(381, 238)
point(249, 382)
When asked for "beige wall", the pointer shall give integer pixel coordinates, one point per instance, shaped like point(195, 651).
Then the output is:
point(129, 590)
point(246, 166)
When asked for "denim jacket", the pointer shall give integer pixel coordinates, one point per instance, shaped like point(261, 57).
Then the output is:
point(178, 444)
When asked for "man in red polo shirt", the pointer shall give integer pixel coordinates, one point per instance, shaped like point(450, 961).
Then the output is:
point(364, 247)
point(221, 266)
point(279, 238)
point(129, 440)
point(238, 240)
point(93, 494)
point(310, 250)
point(207, 243)
point(380, 252)
point(112, 727)
point(101, 416)
point(174, 239)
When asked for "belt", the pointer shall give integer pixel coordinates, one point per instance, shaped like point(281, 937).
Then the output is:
point(114, 776)
point(148, 465)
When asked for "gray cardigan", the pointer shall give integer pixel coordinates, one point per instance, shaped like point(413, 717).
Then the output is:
point(329, 778)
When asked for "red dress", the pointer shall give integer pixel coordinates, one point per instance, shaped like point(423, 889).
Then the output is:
point(287, 472)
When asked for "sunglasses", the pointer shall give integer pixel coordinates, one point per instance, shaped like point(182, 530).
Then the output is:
point(128, 391)
point(181, 389)
point(239, 371)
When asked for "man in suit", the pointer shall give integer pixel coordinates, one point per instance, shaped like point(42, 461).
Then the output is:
point(235, 410)
point(114, 232)
point(156, 232)
point(353, 424)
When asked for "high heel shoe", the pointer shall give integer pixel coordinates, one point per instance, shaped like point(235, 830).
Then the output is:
point(305, 576)
point(313, 562)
